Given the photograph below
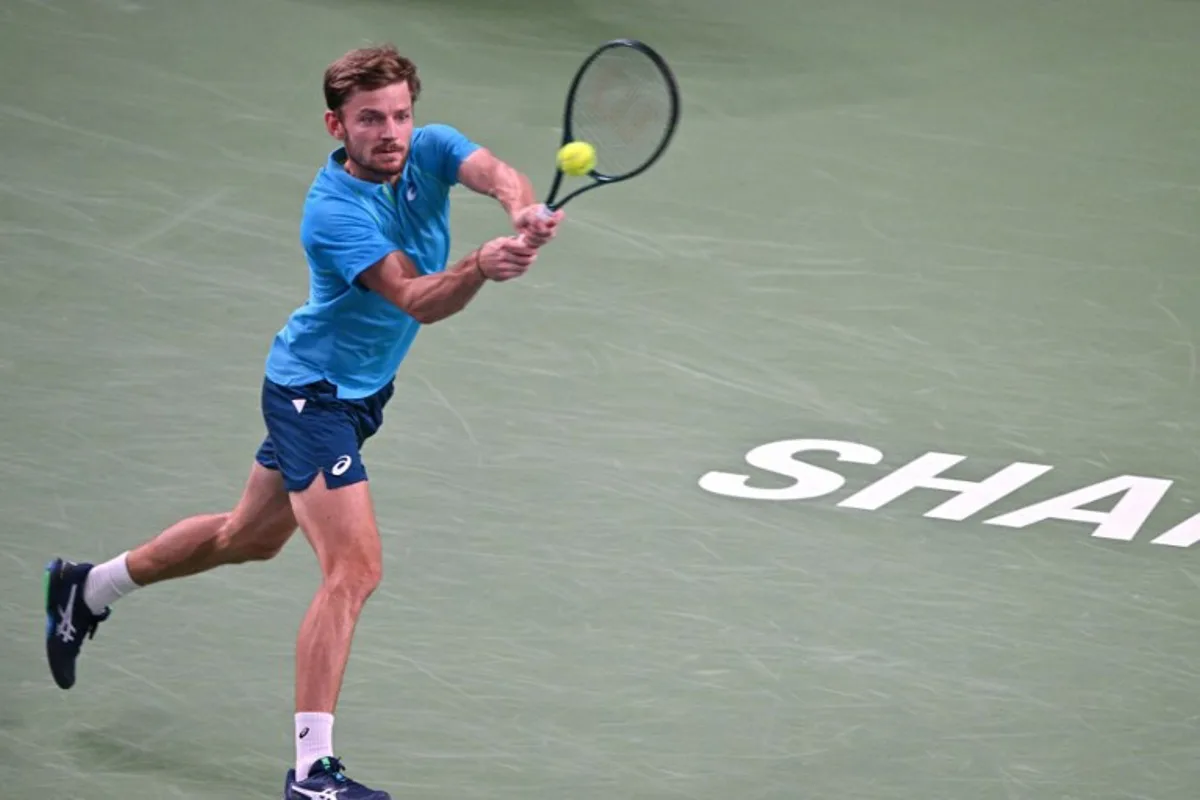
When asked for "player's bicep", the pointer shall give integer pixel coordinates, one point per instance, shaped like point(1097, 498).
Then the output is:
point(478, 172)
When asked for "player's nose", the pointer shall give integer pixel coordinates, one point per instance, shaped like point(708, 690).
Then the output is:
point(393, 131)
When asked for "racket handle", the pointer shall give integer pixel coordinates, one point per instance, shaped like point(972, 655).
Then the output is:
point(545, 213)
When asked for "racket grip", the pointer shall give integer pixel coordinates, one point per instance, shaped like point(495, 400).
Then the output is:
point(543, 212)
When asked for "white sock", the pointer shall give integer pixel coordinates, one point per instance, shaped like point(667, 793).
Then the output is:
point(107, 583)
point(314, 740)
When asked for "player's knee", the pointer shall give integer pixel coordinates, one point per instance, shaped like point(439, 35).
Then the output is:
point(263, 548)
point(356, 576)
point(251, 540)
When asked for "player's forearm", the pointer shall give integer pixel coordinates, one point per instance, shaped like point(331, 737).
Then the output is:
point(484, 173)
point(513, 190)
point(432, 298)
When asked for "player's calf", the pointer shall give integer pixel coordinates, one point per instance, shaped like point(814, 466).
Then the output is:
point(78, 596)
point(201, 543)
point(255, 530)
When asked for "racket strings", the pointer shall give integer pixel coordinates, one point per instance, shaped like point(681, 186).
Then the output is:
point(623, 107)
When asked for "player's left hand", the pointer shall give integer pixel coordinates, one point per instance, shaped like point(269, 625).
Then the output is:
point(534, 228)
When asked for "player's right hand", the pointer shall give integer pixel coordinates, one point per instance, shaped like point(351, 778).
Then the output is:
point(536, 225)
point(506, 258)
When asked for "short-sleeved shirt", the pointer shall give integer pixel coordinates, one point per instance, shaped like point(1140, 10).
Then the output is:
point(345, 333)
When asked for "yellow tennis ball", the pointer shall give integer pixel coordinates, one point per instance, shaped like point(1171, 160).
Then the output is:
point(577, 158)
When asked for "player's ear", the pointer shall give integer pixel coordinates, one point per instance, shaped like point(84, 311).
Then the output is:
point(333, 124)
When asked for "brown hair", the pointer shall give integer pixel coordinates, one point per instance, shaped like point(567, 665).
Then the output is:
point(366, 69)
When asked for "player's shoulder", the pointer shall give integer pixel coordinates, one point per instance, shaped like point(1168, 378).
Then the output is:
point(438, 148)
point(330, 207)
point(435, 140)
point(435, 133)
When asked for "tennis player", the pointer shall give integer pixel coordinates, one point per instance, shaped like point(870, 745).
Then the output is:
point(376, 235)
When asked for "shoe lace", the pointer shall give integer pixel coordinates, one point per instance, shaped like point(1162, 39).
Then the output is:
point(94, 623)
point(335, 768)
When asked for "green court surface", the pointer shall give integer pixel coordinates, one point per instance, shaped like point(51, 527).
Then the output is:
point(949, 226)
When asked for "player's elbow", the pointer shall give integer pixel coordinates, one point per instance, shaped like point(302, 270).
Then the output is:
point(423, 313)
point(409, 302)
point(418, 314)
point(427, 316)
point(425, 299)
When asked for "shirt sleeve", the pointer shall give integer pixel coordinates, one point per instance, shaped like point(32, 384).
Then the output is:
point(342, 238)
point(447, 149)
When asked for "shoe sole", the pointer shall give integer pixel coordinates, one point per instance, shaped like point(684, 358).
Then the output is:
point(46, 573)
point(47, 579)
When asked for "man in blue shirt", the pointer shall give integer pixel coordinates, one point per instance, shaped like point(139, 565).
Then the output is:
point(376, 236)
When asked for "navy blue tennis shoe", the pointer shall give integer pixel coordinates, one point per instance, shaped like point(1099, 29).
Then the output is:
point(68, 619)
point(327, 781)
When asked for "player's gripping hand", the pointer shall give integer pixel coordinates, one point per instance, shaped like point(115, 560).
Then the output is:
point(506, 258)
point(535, 226)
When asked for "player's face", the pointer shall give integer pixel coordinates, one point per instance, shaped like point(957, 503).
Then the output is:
point(375, 127)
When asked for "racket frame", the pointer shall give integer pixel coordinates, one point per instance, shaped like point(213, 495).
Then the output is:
point(600, 179)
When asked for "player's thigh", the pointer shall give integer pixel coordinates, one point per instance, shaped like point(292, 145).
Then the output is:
point(340, 525)
point(263, 517)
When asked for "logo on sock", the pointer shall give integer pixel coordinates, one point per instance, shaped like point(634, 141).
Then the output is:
point(304, 733)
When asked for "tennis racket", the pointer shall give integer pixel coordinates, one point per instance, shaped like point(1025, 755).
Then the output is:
point(624, 101)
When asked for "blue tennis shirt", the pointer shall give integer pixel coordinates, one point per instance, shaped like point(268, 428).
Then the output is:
point(345, 333)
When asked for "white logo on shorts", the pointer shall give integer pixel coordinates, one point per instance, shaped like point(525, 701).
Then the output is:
point(341, 465)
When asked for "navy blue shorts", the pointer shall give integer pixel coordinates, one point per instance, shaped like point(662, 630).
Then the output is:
point(311, 430)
